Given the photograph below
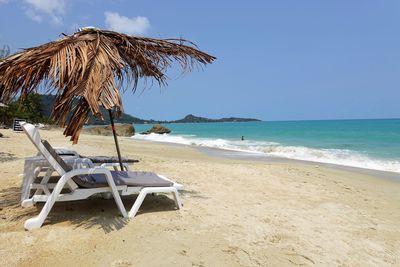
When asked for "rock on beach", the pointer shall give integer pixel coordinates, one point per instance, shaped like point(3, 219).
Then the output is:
point(158, 129)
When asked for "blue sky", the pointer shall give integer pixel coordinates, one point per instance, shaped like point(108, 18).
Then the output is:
point(276, 60)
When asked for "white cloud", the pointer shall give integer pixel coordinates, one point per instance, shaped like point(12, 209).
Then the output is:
point(135, 25)
point(37, 10)
point(33, 15)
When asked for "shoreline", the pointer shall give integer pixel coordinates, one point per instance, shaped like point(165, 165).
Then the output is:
point(231, 154)
point(249, 156)
point(339, 151)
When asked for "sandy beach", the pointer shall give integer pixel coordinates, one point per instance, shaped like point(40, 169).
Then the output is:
point(236, 212)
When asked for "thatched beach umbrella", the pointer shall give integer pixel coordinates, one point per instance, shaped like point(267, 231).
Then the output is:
point(87, 69)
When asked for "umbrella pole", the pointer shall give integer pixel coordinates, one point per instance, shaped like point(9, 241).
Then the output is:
point(115, 139)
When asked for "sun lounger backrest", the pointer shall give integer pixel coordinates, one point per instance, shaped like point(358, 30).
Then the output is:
point(57, 157)
point(34, 136)
point(85, 181)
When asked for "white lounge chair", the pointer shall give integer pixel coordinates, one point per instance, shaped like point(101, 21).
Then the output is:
point(35, 165)
point(84, 182)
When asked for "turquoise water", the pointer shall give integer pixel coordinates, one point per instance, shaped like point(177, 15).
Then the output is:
point(373, 144)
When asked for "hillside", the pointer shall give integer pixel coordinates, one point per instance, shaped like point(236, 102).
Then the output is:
point(47, 104)
point(194, 119)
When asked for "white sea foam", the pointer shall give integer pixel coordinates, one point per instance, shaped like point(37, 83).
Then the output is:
point(335, 156)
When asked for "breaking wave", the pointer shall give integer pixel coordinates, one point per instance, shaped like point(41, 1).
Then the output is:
point(343, 157)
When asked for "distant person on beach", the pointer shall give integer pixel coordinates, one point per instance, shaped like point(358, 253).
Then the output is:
point(242, 138)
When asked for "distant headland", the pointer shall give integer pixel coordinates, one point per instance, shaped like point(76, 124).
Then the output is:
point(47, 103)
point(194, 119)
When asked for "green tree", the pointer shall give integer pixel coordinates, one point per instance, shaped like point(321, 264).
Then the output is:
point(29, 108)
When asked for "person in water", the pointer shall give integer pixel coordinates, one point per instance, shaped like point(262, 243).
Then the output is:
point(242, 138)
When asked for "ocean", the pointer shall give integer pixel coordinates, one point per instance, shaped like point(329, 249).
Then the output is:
point(371, 144)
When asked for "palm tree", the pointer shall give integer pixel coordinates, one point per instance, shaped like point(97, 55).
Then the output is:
point(87, 69)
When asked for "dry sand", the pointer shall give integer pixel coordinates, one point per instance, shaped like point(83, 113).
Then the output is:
point(236, 213)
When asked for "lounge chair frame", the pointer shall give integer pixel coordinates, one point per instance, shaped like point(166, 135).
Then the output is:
point(50, 197)
point(38, 164)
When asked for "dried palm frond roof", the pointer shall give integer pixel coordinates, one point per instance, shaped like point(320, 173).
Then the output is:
point(86, 69)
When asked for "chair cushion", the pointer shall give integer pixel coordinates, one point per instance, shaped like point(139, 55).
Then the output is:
point(132, 178)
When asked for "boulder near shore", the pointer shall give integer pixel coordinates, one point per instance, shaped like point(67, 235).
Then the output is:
point(158, 129)
point(122, 129)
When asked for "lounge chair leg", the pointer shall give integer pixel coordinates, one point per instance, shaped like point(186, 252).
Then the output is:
point(37, 222)
point(116, 195)
point(143, 193)
point(28, 203)
point(177, 199)
point(138, 202)
point(30, 173)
